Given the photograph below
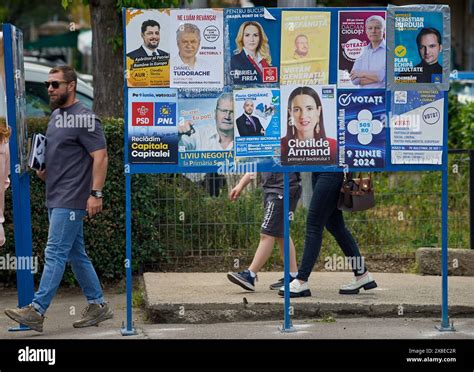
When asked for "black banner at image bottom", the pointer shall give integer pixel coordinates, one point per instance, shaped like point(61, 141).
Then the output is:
point(382, 355)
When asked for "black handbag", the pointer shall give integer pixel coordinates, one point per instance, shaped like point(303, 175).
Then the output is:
point(357, 194)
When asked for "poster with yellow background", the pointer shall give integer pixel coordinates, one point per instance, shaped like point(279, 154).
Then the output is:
point(305, 47)
point(147, 47)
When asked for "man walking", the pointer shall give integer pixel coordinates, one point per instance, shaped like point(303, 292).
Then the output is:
point(76, 167)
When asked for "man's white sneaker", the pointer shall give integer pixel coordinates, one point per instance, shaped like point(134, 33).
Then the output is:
point(365, 281)
point(296, 289)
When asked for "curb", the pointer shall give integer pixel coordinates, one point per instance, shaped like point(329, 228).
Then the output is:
point(225, 312)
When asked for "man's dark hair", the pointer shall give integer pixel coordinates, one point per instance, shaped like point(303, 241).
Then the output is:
point(68, 72)
point(150, 23)
point(427, 31)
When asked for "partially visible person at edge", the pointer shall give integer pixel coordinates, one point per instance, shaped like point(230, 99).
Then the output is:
point(4, 173)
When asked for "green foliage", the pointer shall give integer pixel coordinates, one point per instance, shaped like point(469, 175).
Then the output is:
point(461, 124)
point(466, 131)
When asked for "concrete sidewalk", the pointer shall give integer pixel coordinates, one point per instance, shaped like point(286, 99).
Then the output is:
point(212, 298)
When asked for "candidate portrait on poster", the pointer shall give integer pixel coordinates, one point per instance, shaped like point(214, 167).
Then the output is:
point(257, 122)
point(147, 48)
point(418, 48)
point(305, 47)
point(197, 44)
point(362, 49)
point(254, 55)
point(308, 125)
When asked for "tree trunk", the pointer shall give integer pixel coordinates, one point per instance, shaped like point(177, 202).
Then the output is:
point(107, 67)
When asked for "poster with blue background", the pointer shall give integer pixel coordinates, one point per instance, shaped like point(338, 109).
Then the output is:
point(257, 119)
point(252, 45)
point(418, 56)
point(361, 128)
point(152, 125)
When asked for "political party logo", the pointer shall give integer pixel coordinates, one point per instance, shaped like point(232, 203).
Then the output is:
point(401, 97)
point(140, 75)
point(142, 114)
point(165, 114)
point(270, 74)
point(365, 127)
point(328, 92)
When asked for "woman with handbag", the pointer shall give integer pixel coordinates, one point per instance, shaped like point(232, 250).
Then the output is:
point(323, 212)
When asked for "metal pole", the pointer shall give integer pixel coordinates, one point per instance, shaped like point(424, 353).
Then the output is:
point(129, 330)
point(20, 182)
point(287, 326)
point(445, 326)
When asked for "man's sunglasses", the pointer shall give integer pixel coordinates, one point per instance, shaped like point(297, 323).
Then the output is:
point(55, 84)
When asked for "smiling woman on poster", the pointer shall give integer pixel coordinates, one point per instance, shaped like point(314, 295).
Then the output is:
point(305, 141)
point(369, 68)
point(251, 55)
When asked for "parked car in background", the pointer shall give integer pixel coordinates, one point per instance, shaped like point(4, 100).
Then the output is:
point(37, 100)
point(462, 85)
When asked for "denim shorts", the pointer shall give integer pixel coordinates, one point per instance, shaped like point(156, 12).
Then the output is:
point(272, 224)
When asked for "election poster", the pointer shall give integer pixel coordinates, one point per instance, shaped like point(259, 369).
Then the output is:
point(152, 125)
point(308, 125)
point(361, 121)
point(17, 72)
point(416, 127)
point(418, 48)
point(197, 48)
point(362, 50)
point(147, 47)
point(253, 45)
point(305, 47)
point(257, 122)
point(205, 127)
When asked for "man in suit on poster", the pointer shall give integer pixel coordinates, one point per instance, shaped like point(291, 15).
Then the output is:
point(151, 39)
point(247, 124)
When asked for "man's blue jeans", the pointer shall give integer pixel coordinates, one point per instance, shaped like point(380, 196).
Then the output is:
point(323, 213)
point(66, 244)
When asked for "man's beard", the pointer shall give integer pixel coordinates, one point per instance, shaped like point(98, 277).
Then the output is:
point(60, 101)
point(152, 47)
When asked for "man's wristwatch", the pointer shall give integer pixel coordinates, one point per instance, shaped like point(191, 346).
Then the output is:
point(97, 194)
